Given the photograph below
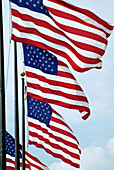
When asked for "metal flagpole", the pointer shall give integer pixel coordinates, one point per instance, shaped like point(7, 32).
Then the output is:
point(23, 123)
point(2, 97)
point(17, 159)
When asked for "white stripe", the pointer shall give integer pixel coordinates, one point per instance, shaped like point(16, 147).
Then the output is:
point(56, 134)
point(51, 77)
point(48, 32)
point(79, 38)
point(62, 127)
point(75, 13)
point(53, 141)
point(63, 69)
point(55, 88)
point(57, 97)
point(13, 159)
point(58, 47)
point(43, 17)
point(33, 162)
point(56, 151)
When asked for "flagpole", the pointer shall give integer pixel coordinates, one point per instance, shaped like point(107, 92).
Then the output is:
point(23, 123)
point(2, 97)
point(17, 160)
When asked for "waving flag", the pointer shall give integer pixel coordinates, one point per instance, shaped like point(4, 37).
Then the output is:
point(31, 162)
point(50, 80)
point(76, 36)
point(48, 130)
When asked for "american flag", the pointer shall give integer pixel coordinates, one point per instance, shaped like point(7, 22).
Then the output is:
point(48, 130)
point(76, 36)
point(31, 163)
point(51, 81)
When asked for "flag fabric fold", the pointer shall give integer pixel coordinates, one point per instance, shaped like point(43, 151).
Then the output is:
point(48, 130)
point(50, 80)
point(31, 162)
point(76, 36)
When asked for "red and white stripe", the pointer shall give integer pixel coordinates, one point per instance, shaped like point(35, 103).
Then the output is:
point(34, 163)
point(58, 140)
point(61, 89)
point(80, 46)
point(31, 162)
point(10, 163)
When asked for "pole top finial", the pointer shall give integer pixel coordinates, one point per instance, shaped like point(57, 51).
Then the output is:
point(22, 74)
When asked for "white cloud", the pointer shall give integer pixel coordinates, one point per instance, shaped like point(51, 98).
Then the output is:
point(92, 158)
point(110, 146)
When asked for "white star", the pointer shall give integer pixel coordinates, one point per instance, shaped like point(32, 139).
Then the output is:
point(34, 5)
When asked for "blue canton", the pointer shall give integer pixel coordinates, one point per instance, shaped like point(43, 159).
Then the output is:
point(10, 145)
point(40, 59)
point(34, 5)
point(39, 110)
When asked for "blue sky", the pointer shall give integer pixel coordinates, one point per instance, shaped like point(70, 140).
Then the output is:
point(96, 134)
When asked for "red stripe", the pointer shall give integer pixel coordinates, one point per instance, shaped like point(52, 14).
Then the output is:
point(58, 52)
point(57, 138)
point(10, 168)
point(65, 74)
point(66, 133)
point(9, 160)
point(85, 12)
point(47, 25)
point(55, 154)
point(33, 165)
point(72, 18)
point(59, 121)
point(53, 145)
point(57, 41)
point(33, 158)
point(66, 105)
point(53, 82)
point(57, 93)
